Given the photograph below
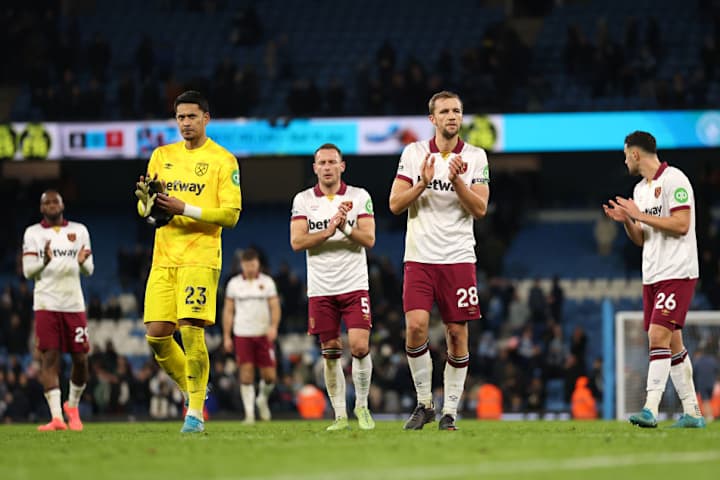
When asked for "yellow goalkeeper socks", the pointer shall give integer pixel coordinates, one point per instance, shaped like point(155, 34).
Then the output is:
point(197, 365)
point(171, 358)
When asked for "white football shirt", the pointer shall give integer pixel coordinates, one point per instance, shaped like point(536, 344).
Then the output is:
point(57, 285)
point(252, 310)
point(667, 257)
point(338, 265)
point(439, 229)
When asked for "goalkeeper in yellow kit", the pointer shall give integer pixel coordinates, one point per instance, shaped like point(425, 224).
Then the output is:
point(190, 192)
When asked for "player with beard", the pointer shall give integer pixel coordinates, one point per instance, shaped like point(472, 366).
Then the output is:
point(443, 185)
point(55, 253)
point(199, 195)
point(660, 218)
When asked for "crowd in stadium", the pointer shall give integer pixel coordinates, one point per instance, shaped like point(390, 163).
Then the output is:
point(75, 72)
point(519, 346)
point(65, 72)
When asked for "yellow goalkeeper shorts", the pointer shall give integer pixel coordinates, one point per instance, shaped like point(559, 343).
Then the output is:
point(174, 293)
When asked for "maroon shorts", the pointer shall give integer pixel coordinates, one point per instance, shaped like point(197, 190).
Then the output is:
point(325, 312)
point(256, 350)
point(667, 302)
point(64, 331)
point(453, 287)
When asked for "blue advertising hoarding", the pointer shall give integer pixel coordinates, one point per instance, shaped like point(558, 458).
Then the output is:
point(498, 133)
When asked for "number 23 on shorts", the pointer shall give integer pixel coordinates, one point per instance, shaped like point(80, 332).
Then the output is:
point(195, 295)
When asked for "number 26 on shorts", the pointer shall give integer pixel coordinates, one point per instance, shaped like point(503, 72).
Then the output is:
point(665, 302)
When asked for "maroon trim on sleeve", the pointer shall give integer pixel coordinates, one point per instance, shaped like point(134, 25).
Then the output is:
point(403, 177)
point(299, 217)
point(363, 215)
point(680, 207)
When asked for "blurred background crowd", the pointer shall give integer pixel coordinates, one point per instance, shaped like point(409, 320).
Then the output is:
point(542, 276)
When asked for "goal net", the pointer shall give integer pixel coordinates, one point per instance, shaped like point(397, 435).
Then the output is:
point(701, 330)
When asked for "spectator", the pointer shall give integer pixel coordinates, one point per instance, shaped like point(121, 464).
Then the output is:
point(537, 303)
point(556, 300)
point(605, 234)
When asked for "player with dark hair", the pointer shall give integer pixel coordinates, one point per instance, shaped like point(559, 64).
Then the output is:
point(192, 191)
point(250, 326)
point(55, 253)
point(660, 218)
point(334, 223)
point(443, 185)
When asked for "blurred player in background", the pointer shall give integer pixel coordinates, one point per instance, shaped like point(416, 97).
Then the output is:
point(250, 324)
point(201, 192)
point(334, 223)
point(55, 253)
point(660, 218)
point(443, 184)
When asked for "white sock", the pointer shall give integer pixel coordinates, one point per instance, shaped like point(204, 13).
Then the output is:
point(361, 375)
point(421, 369)
point(454, 384)
point(53, 400)
point(335, 384)
point(75, 394)
point(658, 373)
point(264, 389)
point(194, 413)
point(247, 392)
point(682, 378)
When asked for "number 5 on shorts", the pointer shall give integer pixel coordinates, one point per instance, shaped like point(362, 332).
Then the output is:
point(365, 305)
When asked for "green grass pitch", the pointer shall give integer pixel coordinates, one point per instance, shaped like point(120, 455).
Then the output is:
point(300, 450)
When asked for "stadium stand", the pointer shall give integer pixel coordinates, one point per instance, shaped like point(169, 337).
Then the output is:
point(259, 58)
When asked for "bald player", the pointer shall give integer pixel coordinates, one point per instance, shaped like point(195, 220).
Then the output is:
point(55, 253)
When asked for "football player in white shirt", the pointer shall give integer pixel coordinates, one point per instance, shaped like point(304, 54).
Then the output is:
point(660, 218)
point(443, 185)
point(55, 253)
point(250, 325)
point(334, 223)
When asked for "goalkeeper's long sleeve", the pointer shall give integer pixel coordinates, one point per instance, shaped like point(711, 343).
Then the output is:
point(224, 216)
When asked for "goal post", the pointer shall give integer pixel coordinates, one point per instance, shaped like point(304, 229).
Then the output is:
point(701, 330)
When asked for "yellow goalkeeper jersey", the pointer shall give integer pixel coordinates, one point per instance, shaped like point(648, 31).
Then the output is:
point(207, 177)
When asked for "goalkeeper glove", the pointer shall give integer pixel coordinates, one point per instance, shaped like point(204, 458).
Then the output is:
point(146, 197)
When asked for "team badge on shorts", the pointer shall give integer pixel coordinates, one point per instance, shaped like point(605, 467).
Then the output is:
point(201, 169)
point(658, 191)
point(72, 236)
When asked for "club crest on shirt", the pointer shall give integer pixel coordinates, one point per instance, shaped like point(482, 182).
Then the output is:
point(464, 167)
point(201, 168)
point(658, 191)
point(72, 237)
